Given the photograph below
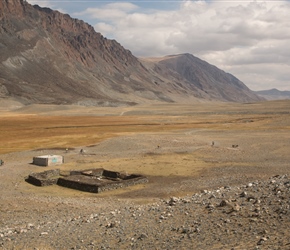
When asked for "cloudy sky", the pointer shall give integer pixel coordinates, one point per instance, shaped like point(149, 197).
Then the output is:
point(249, 39)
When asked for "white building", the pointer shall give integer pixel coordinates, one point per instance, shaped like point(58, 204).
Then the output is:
point(48, 160)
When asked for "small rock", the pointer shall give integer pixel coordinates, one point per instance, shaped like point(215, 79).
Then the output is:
point(111, 225)
point(262, 240)
point(142, 236)
point(236, 208)
point(185, 230)
point(30, 225)
point(243, 194)
point(173, 201)
point(223, 203)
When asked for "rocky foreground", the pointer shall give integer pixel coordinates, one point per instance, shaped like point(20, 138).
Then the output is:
point(251, 216)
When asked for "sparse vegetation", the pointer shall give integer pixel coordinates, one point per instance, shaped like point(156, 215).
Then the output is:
point(171, 145)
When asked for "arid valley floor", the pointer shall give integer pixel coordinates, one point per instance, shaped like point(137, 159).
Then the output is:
point(202, 193)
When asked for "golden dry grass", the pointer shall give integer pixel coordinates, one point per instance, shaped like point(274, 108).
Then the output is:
point(69, 128)
point(185, 163)
point(261, 129)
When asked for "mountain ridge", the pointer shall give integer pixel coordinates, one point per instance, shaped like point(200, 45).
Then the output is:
point(49, 57)
point(203, 75)
point(274, 94)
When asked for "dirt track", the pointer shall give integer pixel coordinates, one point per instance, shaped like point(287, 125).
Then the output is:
point(179, 162)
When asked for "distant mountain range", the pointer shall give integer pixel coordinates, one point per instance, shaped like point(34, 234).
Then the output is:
point(273, 94)
point(49, 57)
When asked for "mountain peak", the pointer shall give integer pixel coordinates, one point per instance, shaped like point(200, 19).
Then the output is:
point(202, 79)
point(274, 94)
point(49, 57)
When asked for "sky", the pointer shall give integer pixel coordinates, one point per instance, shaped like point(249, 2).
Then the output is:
point(249, 39)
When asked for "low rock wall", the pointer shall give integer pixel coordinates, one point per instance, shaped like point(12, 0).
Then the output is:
point(88, 180)
point(122, 184)
point(45, 178)
point(92, 188)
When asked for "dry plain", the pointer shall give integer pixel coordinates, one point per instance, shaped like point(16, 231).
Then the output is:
point(182, 148)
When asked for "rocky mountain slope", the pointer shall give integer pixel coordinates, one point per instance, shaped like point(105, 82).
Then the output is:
point(188, 74)
point(49, 57)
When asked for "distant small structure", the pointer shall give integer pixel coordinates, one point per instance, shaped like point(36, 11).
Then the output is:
point(1, 162)
point(212, 143)
point(48, 160)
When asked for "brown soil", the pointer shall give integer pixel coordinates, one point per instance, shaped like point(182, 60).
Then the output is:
point(171, 144)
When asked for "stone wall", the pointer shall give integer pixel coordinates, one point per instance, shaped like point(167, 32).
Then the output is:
point(90, 180)
point(122, 184)
point(45, 178)
point(75, 184)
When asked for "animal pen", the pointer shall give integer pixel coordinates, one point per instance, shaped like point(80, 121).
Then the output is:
point(90, 180)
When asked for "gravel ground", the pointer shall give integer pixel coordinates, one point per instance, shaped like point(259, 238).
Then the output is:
point(251, 216)
point(233, 202)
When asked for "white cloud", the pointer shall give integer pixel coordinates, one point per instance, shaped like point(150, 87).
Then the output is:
point(109, 12)
point(46, 4)
point(267, 76)
point(122, 6)
point(105, 28)
point(42, 3)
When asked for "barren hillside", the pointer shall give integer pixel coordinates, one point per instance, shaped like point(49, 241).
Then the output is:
point(49, 57)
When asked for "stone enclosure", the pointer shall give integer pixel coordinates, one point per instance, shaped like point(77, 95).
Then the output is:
point(90, 180)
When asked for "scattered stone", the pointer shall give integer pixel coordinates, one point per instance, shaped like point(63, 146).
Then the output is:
point(142, 236)
point(243, 194)
point(173, 201)
point(224, 203)
point(262, 240)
